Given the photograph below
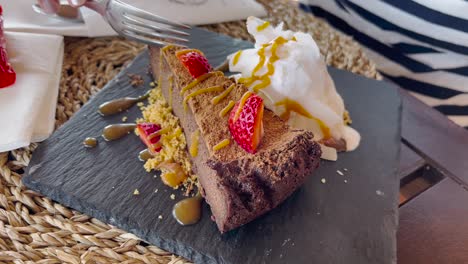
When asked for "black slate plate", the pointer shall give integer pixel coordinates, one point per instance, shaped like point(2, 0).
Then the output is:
point(335, 222)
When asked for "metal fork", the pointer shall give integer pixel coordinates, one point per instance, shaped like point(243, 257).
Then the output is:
point(140, 25)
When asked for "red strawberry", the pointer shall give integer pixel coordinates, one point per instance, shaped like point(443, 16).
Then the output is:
point(149, 135)
point(246, 122)
point(195, 63)
point(7, 74)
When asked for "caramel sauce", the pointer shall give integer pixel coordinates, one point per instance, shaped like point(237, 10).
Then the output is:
point(202, 91)
point(293, 106)
point(236, 57)
point(261, 62)
point(188, 211)
point(145, 155)
point(221, 145)
point(90, 142)
point(265, 78)
point(263, 26)
point(116, 131)
point(174, 175)
point(241, 104)
point(158, 133)
point(118, 105)
point(223, 95)
point(265, 82)
point(198, 80)
point(226, 109)
point(193, 150)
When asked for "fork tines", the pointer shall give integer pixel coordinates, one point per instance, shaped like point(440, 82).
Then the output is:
point(151, 29)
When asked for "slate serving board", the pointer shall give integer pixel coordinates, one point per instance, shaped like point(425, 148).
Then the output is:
point(336, 222)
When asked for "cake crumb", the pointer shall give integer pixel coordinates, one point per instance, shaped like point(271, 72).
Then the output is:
point(174, 143)
point(135, 79)
point(340, 173)
point(136, 192)
point(152, 84)
point(160, 217)
point(124, 119)
point(172, 196)
point(323, 180)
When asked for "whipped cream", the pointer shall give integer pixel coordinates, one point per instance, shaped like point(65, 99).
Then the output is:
point(286, 69)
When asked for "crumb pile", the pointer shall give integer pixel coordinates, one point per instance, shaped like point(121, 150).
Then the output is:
point(174, 143)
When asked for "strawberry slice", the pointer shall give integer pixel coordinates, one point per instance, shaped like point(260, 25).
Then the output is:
point(149, 134)
point(246, 122)
point(7, 74)
point(195, 62)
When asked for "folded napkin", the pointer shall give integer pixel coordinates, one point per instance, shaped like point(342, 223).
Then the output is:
point(19, 15)
point(27, 108)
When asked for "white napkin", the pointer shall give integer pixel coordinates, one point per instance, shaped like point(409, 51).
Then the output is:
point(27, 108)
point(19, 15)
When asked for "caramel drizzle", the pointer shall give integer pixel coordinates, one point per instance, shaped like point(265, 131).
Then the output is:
point(226, 109)
point(236, 57)
point(263, 26)
point(193, 150)
point(158, 133)
point(223, 95)
point(293, 106)
point(200, 79)
point(201, 91)
point(221, 145)
point(241, 104)
point(265, 78)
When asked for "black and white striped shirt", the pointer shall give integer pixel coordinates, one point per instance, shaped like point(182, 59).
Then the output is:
point(422, 45)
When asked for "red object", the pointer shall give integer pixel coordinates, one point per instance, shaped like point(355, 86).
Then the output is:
point(7, 74)
point(247, 127)
point(195, 63)
point(147, 135)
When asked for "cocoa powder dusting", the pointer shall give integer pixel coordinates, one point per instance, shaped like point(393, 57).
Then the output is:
point(206, 114)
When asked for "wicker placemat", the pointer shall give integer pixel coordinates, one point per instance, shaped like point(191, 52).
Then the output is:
point(34, 229)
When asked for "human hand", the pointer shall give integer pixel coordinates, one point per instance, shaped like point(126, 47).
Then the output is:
point(52, 6)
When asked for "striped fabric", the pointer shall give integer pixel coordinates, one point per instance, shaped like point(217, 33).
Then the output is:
point(421, 45)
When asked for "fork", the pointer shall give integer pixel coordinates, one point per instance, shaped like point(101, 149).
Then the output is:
point(140, 25)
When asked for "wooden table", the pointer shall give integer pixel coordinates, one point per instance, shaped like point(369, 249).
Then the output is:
point(434, 187)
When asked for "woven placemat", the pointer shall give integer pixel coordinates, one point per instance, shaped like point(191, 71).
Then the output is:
point(34, 229)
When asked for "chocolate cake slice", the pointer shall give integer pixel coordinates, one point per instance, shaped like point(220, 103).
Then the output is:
point(237, 185)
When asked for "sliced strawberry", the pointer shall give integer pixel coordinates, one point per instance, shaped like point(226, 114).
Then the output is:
point(246, 122)
point(7, 74)
point(195, 63)
point(149, 135)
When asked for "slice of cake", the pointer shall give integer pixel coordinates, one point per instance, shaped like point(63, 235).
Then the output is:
point(247, 159)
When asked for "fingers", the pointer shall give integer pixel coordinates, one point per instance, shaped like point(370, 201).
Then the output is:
point(77, 3)
point(49, 6)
